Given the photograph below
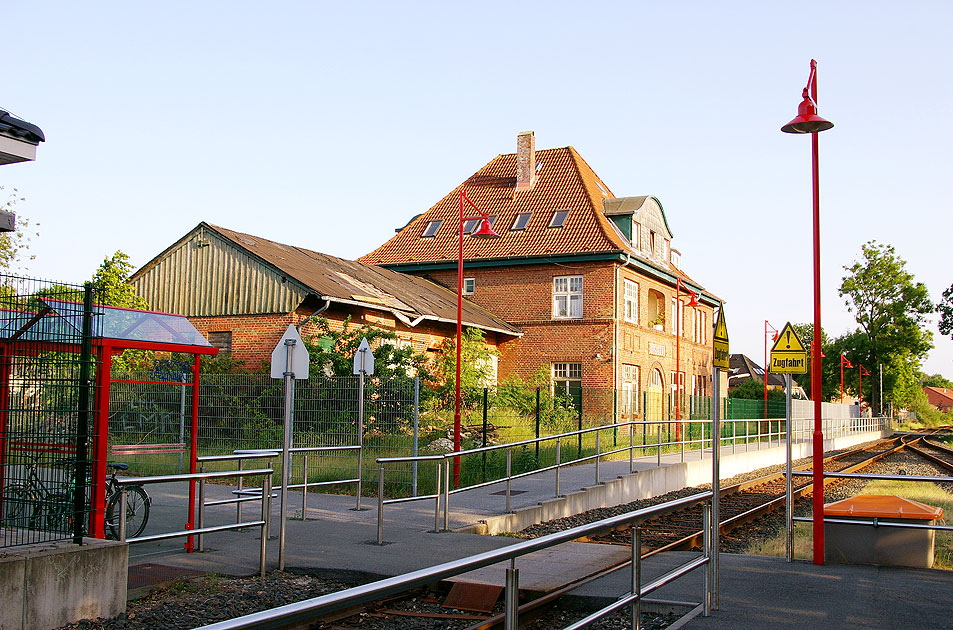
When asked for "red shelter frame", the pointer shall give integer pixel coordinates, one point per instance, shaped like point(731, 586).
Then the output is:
point(119, 329)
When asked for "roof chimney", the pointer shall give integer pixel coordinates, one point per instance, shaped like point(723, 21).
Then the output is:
point(525, 160)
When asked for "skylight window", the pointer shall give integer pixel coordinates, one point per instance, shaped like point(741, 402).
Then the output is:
point(521, 221)
point(602, 188)
point(539, 166)
point(432, 228)
point(559, 218)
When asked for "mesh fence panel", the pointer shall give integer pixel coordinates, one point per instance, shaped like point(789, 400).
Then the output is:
point(45, 425)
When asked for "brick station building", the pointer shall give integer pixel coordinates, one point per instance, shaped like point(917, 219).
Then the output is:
point(590, 278)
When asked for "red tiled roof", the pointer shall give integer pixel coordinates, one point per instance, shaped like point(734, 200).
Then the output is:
point(564, 181)
point(941, 395)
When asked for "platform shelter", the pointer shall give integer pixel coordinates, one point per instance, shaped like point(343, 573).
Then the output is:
point(38, 329)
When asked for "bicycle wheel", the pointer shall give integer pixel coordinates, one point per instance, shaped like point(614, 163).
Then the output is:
point(137, 512)
point(19, 507)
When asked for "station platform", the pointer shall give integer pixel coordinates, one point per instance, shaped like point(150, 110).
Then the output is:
point(755, 591)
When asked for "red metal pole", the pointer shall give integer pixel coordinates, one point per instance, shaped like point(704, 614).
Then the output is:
point(193, 448)
point(842, 378)
point(98, 513)
point(678, 340)
point(456, 407)
point(816, 387)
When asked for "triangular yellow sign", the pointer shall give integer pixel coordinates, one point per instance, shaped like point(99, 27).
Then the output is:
point(788, 341)
point(721, 331)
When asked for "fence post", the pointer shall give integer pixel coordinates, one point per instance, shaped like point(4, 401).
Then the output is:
point(201, 507)
point(537, 426)
point(241, 484)
point(416, 429)
point(598, 450)
point(82, 423)
point(558, 459)
point(509, 472)
point(304, 488)
point(636, 574)
point(380, 502)
point(579, 428)
point(265, 517)
point(485, 395)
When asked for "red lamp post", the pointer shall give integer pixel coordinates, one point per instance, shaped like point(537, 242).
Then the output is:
point(485, 231)
point(843, 360)
point(680, 291)
point(774, 337)
point(807, 121)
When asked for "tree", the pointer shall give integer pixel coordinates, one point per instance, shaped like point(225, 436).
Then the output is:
point(14, 245)
point(111, 288)
point(475, 368)
point(945, 307)
point(111, 283)
point(935, 380)
point(891, 309)
point(753, 389)
point(332, 351)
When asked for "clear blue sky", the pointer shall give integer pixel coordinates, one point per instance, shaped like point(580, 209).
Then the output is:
point(328, 125)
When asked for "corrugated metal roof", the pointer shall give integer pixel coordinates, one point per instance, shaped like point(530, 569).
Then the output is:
point(244, 274)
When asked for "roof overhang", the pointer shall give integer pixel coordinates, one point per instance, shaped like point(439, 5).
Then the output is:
point(13, 150)
point(18, 139)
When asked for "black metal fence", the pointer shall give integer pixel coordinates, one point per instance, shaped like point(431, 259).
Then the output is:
point(46, 394)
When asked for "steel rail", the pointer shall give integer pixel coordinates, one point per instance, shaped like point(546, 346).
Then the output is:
point(307, 610)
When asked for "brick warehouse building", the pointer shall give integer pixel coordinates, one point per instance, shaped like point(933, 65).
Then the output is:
point(590, 278)
point(241, 291)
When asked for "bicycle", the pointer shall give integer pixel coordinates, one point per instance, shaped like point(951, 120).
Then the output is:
point(138, 502)
point(35, 504)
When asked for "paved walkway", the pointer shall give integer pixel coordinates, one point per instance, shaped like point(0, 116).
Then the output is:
point(755, 591)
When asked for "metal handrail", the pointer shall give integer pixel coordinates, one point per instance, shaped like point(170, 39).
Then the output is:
point(875, 522)
point(306, 610)
point(659, 445)
point(262, 523)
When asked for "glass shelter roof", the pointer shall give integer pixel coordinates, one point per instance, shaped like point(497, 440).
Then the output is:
point(49, 320)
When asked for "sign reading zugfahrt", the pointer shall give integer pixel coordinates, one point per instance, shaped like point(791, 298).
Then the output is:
point(720, 342)
point(788, 354)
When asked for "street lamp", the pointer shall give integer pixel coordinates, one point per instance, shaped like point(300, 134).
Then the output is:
point(680, 291)
point(485, 231)
point(843, 360)
point(774, 337)
point(807, 121)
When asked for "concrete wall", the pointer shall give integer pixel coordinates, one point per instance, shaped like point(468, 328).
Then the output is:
point(652, 482)
point(50, 585)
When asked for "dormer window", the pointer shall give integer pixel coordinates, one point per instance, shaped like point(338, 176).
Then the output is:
point(559, 218)
point(676, 258)
point(431, 229)
point(521, 221)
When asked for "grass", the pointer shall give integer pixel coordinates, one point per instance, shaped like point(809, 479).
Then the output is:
point(924, 492)
point(510, 428)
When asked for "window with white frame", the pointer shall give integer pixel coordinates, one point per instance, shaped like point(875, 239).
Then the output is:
point(469, 286)
point(631, 298)
point(678, 316)
point(558, 219)
point(678, 383)
point(636, 236)
point(567, 379)
point(700, 326)
point(629, 405)
point(567, 297)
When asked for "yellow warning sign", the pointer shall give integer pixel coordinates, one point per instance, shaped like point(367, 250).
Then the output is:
point(720, 342)
point(788, 341)
point(788, 354)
